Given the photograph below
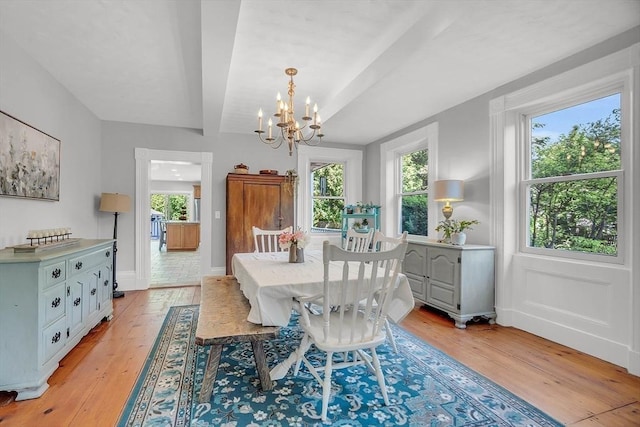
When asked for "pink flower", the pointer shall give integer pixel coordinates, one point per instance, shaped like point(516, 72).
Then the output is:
point(299, 238)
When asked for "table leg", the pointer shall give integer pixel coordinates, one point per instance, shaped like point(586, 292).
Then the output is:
point(210, 373)
point(261, 365)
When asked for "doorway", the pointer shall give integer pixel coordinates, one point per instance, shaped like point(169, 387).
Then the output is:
point(144, 187)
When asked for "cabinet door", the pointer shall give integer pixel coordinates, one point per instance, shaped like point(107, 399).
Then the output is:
point(75, 304)
point(190, 236)
point(415, 268)
point(106, 286)
point(262, 204)
point(93, 286)
point(174, 236)
point(443, 278)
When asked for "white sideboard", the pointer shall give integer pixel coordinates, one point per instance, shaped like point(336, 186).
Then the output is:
point(458, 280)
point(48, 301)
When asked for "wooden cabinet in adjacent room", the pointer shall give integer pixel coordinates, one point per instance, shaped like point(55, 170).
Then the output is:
point(265, 201)
point(183, 236)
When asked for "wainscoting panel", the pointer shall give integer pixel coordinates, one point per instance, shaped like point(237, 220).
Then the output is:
point(584, 305)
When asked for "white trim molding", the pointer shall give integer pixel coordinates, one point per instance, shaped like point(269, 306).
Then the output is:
point(143, 158)
point(425, 137)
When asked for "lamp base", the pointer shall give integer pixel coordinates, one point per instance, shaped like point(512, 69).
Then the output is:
point(118, 294)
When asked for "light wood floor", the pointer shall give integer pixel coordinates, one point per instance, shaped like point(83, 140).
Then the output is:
point(93, 382)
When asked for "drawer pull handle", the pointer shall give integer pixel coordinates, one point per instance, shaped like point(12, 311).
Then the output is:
point(93, 291)
point(107, 254)
point(76, 302)
point(56, 302)
point(56, 273)
point(78, 265)
point(56, 338)
point(106, 283)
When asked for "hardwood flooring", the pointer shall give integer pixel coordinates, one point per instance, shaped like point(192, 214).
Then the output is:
point(94, 381)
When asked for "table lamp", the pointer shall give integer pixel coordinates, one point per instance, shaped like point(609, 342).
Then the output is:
point(449, 190)
point(116, 203)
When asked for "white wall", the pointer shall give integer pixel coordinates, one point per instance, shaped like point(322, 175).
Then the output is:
point(30, 94)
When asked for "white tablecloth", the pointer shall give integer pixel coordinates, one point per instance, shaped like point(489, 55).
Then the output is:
point(270, 282)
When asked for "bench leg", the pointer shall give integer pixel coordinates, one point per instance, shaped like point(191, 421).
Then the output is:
point(210, 373)
point(261, 365)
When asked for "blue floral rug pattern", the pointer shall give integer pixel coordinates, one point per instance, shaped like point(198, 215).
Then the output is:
point(426, 387)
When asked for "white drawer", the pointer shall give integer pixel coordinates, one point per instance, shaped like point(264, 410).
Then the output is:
point(54, 338)
point(54, 303)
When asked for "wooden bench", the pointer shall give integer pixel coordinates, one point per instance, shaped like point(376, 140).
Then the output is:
point(223, 320)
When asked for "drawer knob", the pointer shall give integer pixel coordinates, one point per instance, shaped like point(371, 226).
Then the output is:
point(93, 291)
point(56, 302)
point(56, 338)
point(56, 273)
point(106, 283)
point(78, 265)
point(76, 302)
point(107, 254)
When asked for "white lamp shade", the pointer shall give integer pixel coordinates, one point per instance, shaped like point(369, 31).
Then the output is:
point(115, 202)
point(448, 190)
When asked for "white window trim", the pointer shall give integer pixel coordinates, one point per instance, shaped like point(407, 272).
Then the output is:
point(567, 96)
point(390, 152)
point(352, 160)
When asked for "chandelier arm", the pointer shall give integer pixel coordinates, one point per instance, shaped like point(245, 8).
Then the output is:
point(274, 143)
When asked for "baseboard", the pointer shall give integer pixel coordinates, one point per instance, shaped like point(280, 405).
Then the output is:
point(127, 279)
point(634, 363)
point(614, 352)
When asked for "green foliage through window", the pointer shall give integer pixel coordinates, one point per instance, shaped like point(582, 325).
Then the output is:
point(414, 195)
point(573, 191)
point(328, 196)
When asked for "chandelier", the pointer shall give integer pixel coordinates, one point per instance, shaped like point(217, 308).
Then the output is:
point(290, 129)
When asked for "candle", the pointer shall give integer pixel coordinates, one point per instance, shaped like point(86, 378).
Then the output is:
point(270, 124)
point(315, 114)
point(260, 120)
point(306, 107)
point(278, 104)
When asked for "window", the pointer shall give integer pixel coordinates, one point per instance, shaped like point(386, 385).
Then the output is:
point(315, 193)
point(406, 168)
point(413, 194)
point(573, 177)
point(328, 196)
point(171, 206)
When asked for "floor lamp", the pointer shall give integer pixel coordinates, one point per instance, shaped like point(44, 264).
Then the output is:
point(116, 203)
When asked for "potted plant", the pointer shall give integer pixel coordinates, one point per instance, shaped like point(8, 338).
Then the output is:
point(454, 230)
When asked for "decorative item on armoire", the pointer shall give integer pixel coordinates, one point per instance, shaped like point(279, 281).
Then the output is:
point(116, 203)
point(32, 154)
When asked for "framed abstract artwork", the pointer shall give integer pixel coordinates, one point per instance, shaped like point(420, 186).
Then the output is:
point(29, 161)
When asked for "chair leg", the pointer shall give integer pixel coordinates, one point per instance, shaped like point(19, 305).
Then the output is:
point(390, 336)
point(380, 376)
point(302, 349)
point(326, 387)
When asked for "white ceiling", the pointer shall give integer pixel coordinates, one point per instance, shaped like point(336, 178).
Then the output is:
point(373, 66)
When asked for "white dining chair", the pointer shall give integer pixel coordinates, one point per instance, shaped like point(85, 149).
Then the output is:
point(267, 240)
point(357, 325)
point(385, 243)
point(358, 241)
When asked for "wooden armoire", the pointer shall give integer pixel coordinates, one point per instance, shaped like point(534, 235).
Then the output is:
point(265, 201)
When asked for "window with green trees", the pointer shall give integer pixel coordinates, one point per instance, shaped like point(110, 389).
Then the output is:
point(172, 206)
point(574, 175)
point(414, 192)
point(328, 195)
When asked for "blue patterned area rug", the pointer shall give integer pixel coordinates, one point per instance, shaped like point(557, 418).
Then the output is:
point(426, 387)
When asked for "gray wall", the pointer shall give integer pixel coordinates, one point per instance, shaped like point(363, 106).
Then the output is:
point(464, 150)
point(30, 94)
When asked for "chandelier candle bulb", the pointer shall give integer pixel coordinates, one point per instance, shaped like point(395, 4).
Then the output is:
point(290, 129)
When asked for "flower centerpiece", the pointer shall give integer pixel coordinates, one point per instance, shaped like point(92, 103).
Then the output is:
point(295, 242)
point(454, 230)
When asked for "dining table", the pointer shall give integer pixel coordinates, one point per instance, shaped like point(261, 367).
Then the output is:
point(271, 283)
